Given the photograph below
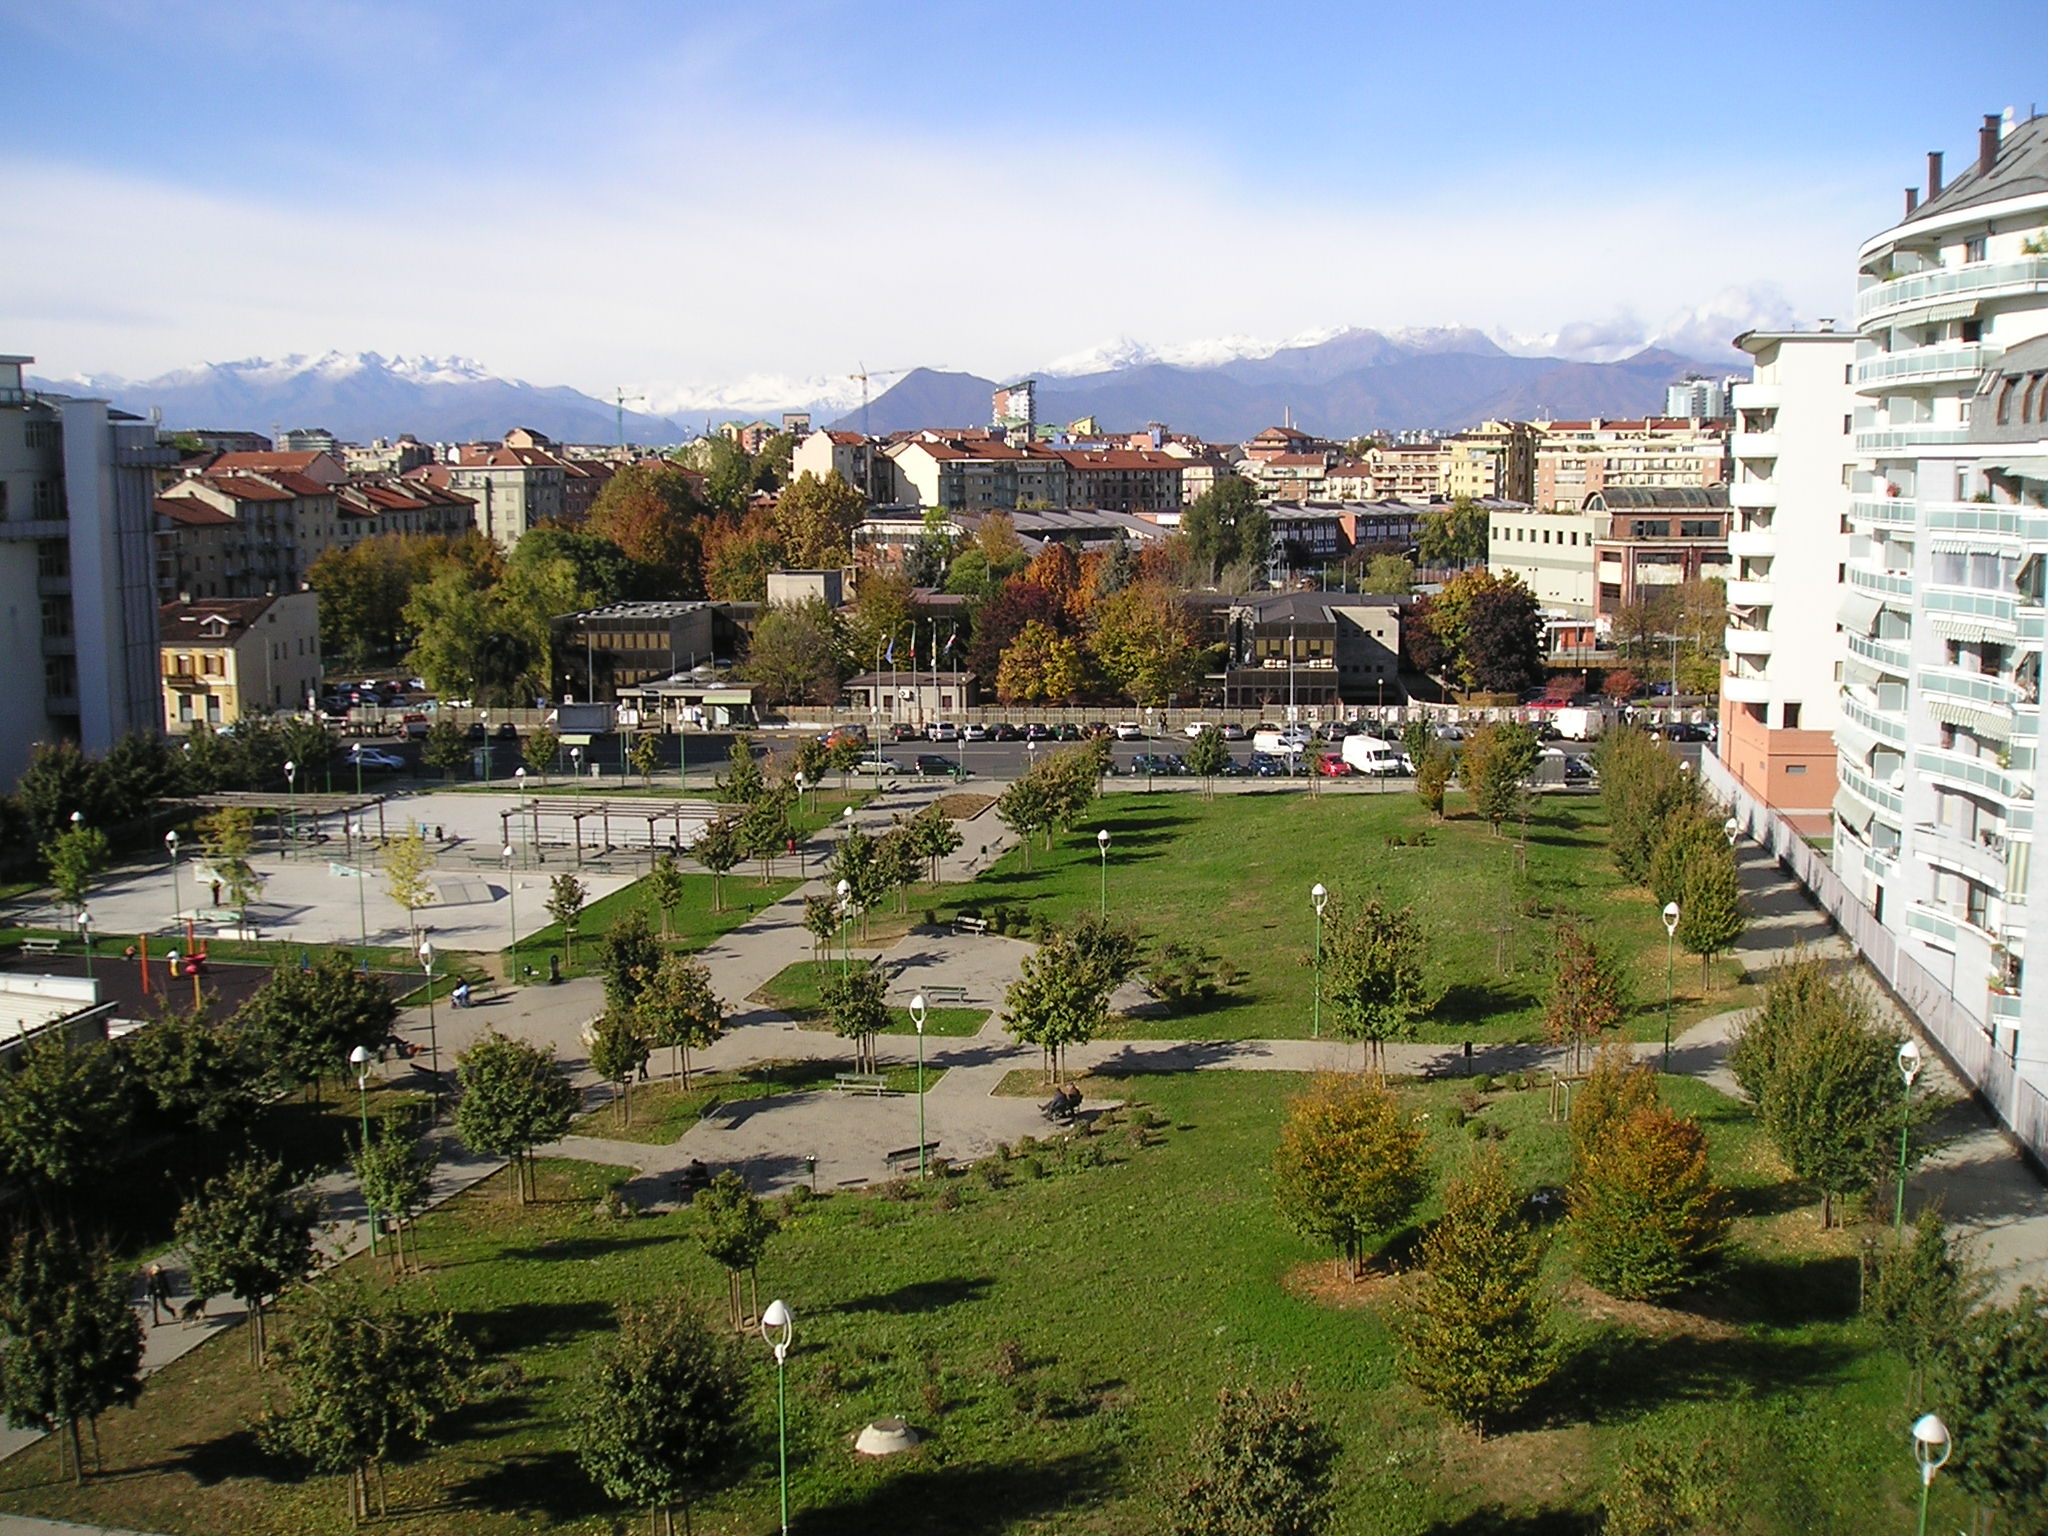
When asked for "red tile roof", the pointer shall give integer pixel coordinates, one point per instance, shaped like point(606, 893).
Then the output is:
point(262, 463)
point(192, 512)
point(247, 488)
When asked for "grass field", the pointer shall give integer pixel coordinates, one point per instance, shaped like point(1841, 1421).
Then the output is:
point(1059, 1338)
point(696, 922)
point(794, 991)
point(1235, 873)
point(664, 1109)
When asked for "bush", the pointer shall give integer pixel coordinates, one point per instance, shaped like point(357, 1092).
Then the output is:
point(1648, 1218)
point(947, 1199)
point(1262, 1468)
point(992, 1173)
point(1666, 1489)
point(1029, 1168)
point(795, 1198)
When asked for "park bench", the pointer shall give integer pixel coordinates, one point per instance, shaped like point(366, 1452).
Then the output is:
point(908, 1157)
point(41, 946)
point(945, 994)
point(860, 1082)
point(970, 925)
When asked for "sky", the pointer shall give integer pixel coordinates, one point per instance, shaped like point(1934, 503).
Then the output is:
point(680, 194)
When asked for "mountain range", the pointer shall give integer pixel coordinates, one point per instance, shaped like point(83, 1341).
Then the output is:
point(1338, 383)
point(1349, 383)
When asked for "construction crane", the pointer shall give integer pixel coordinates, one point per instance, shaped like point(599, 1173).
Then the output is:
point(620, 402)
point(878, 373)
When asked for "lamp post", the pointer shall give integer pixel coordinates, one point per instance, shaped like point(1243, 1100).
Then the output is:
point(845, 892)
point(291, 778)
point(171, 846)
point(1318, 898)
point(1670, 961)
point(85, 933)
point(1732, 830)
point(355, 755)
point(576, 759)
point(778, 1328)
point(512, 895)
point(1102, 842)
point(917, 1016)
point(433, 1031)
point(1909, 1069)
point(360, 1059)
point(1931, 1448)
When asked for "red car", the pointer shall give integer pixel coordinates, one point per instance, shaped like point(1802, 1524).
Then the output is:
point(1333, 768)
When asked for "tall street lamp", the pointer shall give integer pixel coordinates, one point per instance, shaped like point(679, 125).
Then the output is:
point(845, 893)
point(1670, 960)
point(917, 1016)
point(433, 1031)
point(778, 1328)
point(512, 895)
point(85, 933)
point(291, 778)
point(355, 755)
point(1931, 1448)
point(1102, 842)
point(1732, 830)
point(171, 846)
point(1319, 898)
point(360, 1059)
point(1909, 1069)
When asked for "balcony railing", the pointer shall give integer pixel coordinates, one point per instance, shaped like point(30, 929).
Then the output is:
point(1970, 687)
point(1874, 721)
point(1927, 364)
point(1903, 439)
point(1978, 773)
point(1878, 583)
point(1862, 784)
point(1892, 511)
point(1984, 279)
point(1891, 655)
point(1979, 607)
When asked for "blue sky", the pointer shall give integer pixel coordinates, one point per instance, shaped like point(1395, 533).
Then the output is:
point(682, 195)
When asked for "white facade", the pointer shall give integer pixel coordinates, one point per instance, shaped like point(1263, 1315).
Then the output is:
point(1551, 551)
point(1939, 759)
point(1794, 455)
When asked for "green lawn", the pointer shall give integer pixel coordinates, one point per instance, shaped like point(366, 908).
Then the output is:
point(794, 991)
point(1060, 1337)
point(698, 921)
point(663, 1110)
point(1235, 874)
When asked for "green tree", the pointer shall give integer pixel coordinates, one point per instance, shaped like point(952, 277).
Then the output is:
point(73, 1342)
point(764, 829)
point(227, 842)
point(821, 922)
point(566, 896)
point(734, 1228)
point(659, 1419)
point(1473, 1336)
point(679, 1009)
point(1350, 1167)
point(1226, 526)
point(1057, 1000)
point(1496, 760)
point(395, 1169)
point(717, 849)
point(815, 520)
point(1616, 1088)
point(1686, 831)
point(364, 588)
point(1374, 975)
point(76, 858)
point(540, 749)
point(197, 1073)
point(1263, 1467)
point(1491, 630)
point(444, 747)
point(1585, 992)
point(1390, 574)
point(795, 656)
point(617, 1051)
point(1648, 1218)
point(1993, 1394)
point(515, 1097)
point(368, 1378)
point(812, 759)
point(1026, 807)
point(1208, 757)
point(898, 863)
point(855, 1000)
point(64, 1117)
point(1920, 1295)
point(1710, 916)
point(651, 512)
point(627, 957)
point(666, 887)
point(408, 871)
point(744, 781)
point(1144, 643)
point(934, 836)
point(645, 756)
point(1454, 535)
point(1433, 770)
point(1642, 786)
point(250, 1234)
point(311, 1017)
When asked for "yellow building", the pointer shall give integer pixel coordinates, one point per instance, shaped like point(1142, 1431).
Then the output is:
point(224, 658)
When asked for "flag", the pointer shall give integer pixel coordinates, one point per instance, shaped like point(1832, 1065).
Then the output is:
point(952, 639)
point(892, 651)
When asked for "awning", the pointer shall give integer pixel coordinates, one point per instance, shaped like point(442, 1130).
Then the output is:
point(1967, 629)
point(1984, 722)
point(2023, 468)
point(1963, 309)
point(729, 696)
point(1858, 612)
point(1853, 811)
point(1860, 672)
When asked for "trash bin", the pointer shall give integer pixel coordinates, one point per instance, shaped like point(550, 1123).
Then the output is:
point(554, 969)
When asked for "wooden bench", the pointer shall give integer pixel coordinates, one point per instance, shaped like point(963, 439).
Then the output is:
point(908, 1157)
point(945, 994)
point(970, 925)
point(41, 946)
point(860, 1082)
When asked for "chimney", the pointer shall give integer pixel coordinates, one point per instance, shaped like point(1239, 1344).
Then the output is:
point(1912, 200)
point(1987, 144)
point(1933, 174)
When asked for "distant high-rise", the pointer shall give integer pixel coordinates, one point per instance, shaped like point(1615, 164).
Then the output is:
point(1696, 397)
point(1013, 410)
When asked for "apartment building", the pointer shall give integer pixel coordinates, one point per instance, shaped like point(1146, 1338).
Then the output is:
point(1647, 538)
point(77, 570)
point(1781, 680)
point(1407, 471)
point(854, 457)
point(244, 534)
point(1939, 747)
point(977, 474)
point(1494, 460)
point(1137, 480)
point(1574, 459)
point(225, 659)
point(514, 489)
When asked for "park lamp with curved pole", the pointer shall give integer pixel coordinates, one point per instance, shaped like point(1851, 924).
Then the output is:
point(1670, 961)
point(1931, 1449)
point(778, 1330)
point(1909, 1073)
point(1319, 898)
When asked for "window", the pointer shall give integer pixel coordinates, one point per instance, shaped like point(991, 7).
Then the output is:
point(1792, 768)
point(1848, 425)
point(1791, 716)
point(1973, 330)
point(1973, 249)
point(2005, 390)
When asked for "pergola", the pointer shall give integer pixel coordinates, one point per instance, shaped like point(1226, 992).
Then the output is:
point(290, 810)
point(566, 816)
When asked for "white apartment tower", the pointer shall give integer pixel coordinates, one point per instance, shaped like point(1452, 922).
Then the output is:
point(1794, 455)
point(1940, 744)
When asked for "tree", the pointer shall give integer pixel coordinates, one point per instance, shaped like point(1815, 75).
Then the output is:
point(1472, 1336)
point(1433, 770)
point(651, 513)
point(1391, 574)
point(368, 1378)
point(627, 957)
point(595, 565)
point(1641, 785)
point(1057, 1000)
point(408, 866)
point(739, 552)
point(821, 922)
point(76, 858)
point(666, 888)
point(811, 761)
point(1490, 631)
point(744, 781)
point(250, 1234)
point(1648, 1218)
point(540, 749)
point(1349, 1167)
point(64, 1116)
point(515, 1097)
point(227, 842)
point(1621, 685)
point(1455, 535)
point(309, 1018)
point(445, 747)
point(794, 657)
point(617, 1051)
point(566, 895)
point(1496, 761)
point(659, 1419)
point(727, 469)
point(717, 848)
point(763, 830)
point(74, 1344)
point(473, 638)
point(1373, 975)
point(364, 588)
point(1585, 992)
point(934, 836)
point(1994, 1397)
point(1921, 1295)
point(734, 1229)
point(897, 863)
point(1026, 807)
point(645, 756)
point(1144, 643)
point(816, 518)
point(1263, 1467)
point(1014, 607)
point(1710, 916)
point(1616, 1088)
point(1208, 757)
point(856, 1003)
point(395, 1169)
point(197, 1073)
point(679, 1009)
point(1688, 830)
point(1040, 664)
point(1226, 525)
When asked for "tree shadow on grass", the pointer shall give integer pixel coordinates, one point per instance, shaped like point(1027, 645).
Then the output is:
point(225, 1457)
point(970, 1499)
point(579, 1248)
point(921, 1295)
point(1475, 1002)
point(530, 1324)
point(1492, 1520)
point(1619, 1376)
point(544, 1485)
point(1784, 1292)
point(1773, 1199)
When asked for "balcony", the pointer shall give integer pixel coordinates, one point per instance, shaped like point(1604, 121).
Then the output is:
point(1983, 280)
point(1900, 440)
point(1969, 687)
point(1976, 607)
point(1754, 445)
point(2005, 1009)
point(1748, 642)
point(1877, 722)
point(1887, 655)
point(1981, 857)
point(1738, 689)
point(1927, 365)
point(1978, 775)
point(1891, 511)
point(1756, 397)
point(1751, 594)
point(1762, 543)
point(1753, 493)
point(1892, 584)
point(1866, 789)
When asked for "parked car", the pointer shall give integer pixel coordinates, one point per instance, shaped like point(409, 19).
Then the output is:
point(1332, 767)
point(375, 760)
point(1160, 764)
point(1004, 731)
point(1577, 770)
point(507, 731)
point(1067, 733)
point(1129, 730)
point(476, 732)
point(1233, 732)
point(970, 733)
point(1334, 730)
point(838, 735)
point(905, 732)
point(1094, 729)
point(873, 766)
point(942, 730)
point(1194, 728)
point(1266, 765)
point(1680, 730)
point(930, 765)
point(1037, 732)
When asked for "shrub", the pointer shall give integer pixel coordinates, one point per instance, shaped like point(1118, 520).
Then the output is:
point(1648, 1218)
point(992, 1173)
point(1029, 1168)
point(1261, 1468)
point(1349, 1165)
point(1667, 1489)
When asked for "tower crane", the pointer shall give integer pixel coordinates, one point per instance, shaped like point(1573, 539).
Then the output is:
point(877, 373)
point(621, 400)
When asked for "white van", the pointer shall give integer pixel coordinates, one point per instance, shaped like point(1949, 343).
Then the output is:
point(1370, 755)
point(1285, 742)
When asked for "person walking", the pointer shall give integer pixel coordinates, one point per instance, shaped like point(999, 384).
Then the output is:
point(160, 1308)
